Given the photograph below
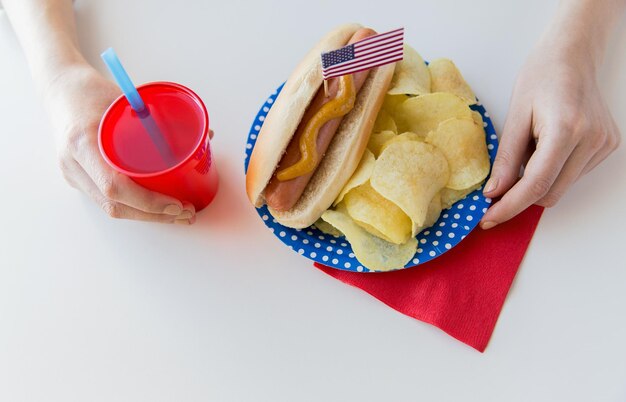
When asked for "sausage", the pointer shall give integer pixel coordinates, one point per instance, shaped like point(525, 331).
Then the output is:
point(283, 195)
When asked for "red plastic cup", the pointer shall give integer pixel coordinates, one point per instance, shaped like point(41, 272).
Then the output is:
point(189, 173)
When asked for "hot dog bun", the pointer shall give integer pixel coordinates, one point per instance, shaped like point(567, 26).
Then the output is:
point(284, 117)
point(346, 148)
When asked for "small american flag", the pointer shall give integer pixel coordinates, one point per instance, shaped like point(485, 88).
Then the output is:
point(367, 53)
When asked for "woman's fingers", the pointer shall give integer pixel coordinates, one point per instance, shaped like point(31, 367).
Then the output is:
point(559, 160)
point(613, 140)
point(188, 217)
point(541, 172)
point(120, 189)
point(116, 209)
point(511, 150)
point(569, 174)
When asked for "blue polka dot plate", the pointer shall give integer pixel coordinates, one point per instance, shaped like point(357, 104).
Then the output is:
point(453, 225)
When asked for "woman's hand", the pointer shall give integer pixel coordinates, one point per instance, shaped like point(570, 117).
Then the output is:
point(76, 100)
point(558, 128)
point(76, 97)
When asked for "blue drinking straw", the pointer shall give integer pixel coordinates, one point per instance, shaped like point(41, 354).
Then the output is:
point(132, 95)
point(123, 80)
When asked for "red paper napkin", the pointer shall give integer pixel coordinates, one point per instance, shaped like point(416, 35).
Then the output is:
point(462, 291)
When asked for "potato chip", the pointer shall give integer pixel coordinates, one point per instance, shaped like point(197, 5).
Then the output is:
point(423, 114)
point(478, 119)
point(372, 230)
point(371, 210)
point(409, 174)
point(408, 136)
point(361, 174)
point(377, 140)
point(411, 76)
point(446, 77)
point(374, 253)
point(434, 210)
point(327, 228)
point(392, 103)
point(384, 122)
point(449, 196)
point(463, 143)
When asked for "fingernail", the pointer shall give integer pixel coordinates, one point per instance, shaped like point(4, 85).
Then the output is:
point(172, 209)
point(185, 215)
point(189, 221)
point(488, 225)
point(189, 207)
point(491, 185)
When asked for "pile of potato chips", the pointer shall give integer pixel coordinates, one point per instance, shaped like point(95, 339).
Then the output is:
point(427, 151)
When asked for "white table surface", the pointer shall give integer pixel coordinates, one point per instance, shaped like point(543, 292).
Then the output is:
point(94, 309)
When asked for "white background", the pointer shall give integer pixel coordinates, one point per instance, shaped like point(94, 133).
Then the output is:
point(93, 309)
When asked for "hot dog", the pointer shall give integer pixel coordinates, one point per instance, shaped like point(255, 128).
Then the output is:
point(283, 195)
point(299, 182)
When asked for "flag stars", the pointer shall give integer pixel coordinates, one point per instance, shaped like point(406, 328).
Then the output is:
point(337, 56)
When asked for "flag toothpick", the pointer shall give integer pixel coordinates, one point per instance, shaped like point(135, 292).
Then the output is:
point(367, 53)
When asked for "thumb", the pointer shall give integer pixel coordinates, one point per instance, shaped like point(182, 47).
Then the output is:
point(511, 150)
